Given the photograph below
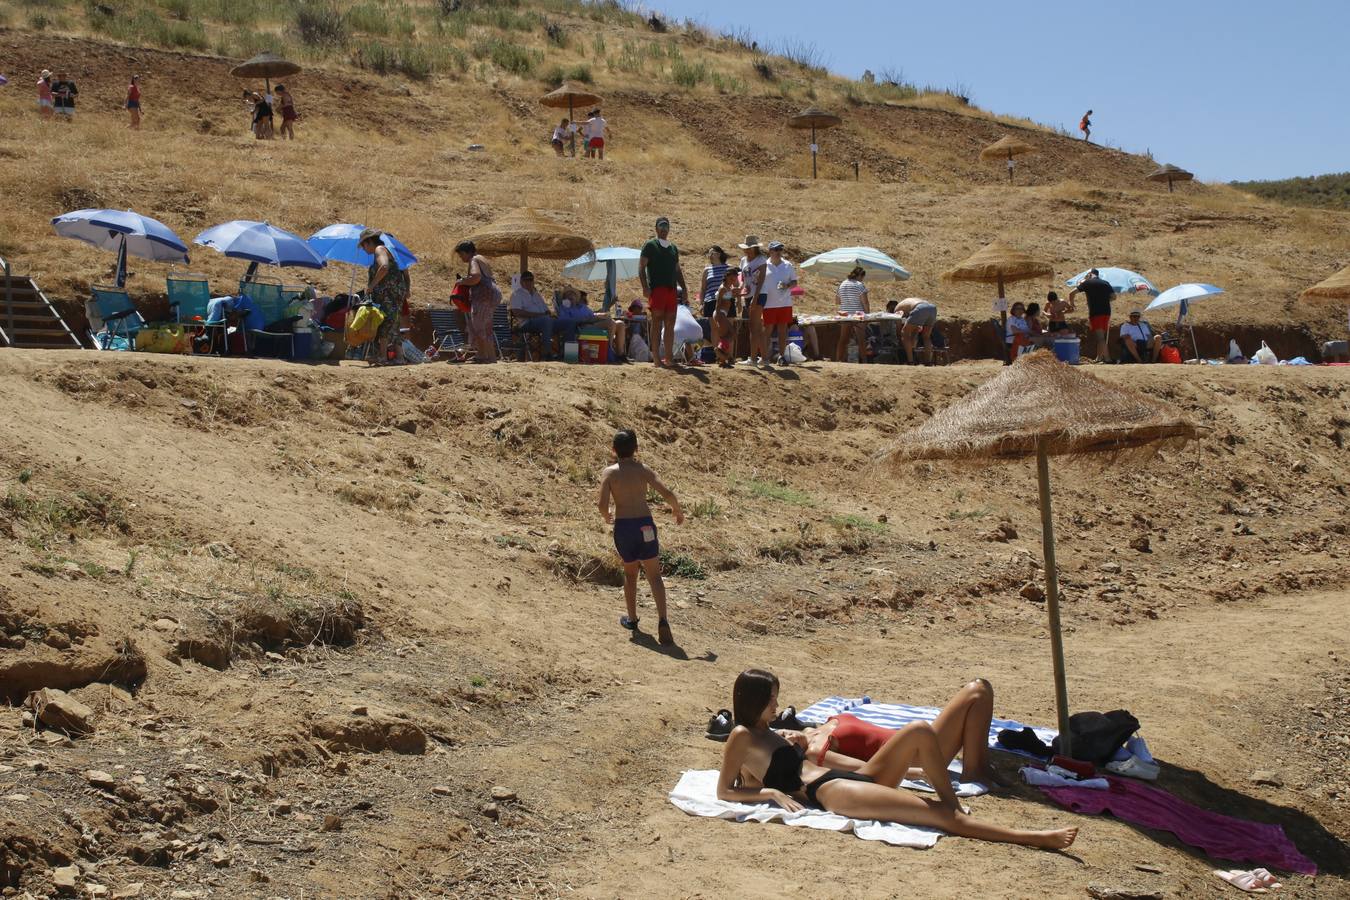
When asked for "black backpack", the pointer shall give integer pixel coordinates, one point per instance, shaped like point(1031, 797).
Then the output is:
point(1097, 736)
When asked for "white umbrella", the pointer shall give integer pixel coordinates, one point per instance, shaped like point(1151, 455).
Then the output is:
point(608, 264)
point(839, 262)
point(1181, 297)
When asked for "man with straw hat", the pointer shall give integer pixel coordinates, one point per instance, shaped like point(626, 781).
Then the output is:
point(660, 273)
point(753, 268)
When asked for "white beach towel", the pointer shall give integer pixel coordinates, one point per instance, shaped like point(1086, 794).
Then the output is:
point(696, 794)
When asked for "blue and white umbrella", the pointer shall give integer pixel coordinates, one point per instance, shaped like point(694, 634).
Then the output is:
point(1181, 297)
point(339, 243)
point(260, 243)
point(1123, 281)
point(123, 232)
point(837, 263)
point(608, 264)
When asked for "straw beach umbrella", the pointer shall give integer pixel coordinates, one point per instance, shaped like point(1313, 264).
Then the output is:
point(1041, 407)
point(1002, 265)
point(1337, 287)
point(1006, 148)
point(528, 233)
point(266, 65)
point(813, 117)
point(1170, 173)
point(567, 96)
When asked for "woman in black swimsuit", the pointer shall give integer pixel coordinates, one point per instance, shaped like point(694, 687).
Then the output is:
point(760, 764)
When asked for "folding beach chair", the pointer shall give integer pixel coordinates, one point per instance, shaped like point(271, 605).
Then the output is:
point(450, 333)
point(270, 340)
point(114, 320)
point(506, 337)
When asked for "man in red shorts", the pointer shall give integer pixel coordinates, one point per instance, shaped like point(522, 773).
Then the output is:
point(1099, 293)
point(660, 274)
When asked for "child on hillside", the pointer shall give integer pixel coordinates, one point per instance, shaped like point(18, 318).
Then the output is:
point(1057, 311)
point(625, 485)
point(724, 319)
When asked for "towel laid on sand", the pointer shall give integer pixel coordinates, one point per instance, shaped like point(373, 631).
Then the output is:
point(898, 715)
point(1222, 837)
point(696, 794)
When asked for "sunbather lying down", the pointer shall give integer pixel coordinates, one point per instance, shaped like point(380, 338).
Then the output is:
point(792, 768)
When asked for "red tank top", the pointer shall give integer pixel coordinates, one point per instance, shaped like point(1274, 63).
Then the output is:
point(859, 739)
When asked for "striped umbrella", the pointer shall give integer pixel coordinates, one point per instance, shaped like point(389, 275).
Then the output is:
point(839, 262)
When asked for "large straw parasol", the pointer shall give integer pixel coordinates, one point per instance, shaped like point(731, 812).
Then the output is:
point(1170, 173)
point(813, 117)
point(528, 233)
point(1000, 264)
point(567, 96)
point(266, 65)
point(1006, 148)
point(1042, 407)
point(1337, 287)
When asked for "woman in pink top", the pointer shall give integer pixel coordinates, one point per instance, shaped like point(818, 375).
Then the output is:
point(134, 101)
point(44, 86)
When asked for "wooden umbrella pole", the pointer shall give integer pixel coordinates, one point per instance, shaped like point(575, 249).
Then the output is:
point(1052, 600)
point(1010, 166)
point(813, 151)
point(1003, 320)
point(524, 261)
point(571, 127)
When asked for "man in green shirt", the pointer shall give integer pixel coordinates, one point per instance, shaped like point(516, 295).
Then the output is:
point(660, 274)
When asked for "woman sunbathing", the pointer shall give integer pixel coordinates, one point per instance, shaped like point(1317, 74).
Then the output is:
point(760, 764)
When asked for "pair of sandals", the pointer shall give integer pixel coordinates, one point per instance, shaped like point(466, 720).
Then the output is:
point(720, 725)
point(1256, 881)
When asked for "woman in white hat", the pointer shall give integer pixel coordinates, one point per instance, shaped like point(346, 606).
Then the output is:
point(46, 106)
point(752, 289)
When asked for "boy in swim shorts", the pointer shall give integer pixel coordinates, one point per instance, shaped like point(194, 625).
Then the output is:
point(624, 485)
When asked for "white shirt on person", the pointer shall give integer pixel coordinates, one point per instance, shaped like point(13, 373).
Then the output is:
point(1141, 332)
point(782, 273)
point(529, 301)
point(595, 127)
point(748, 269)
point(1018, 325)
point(561, 134)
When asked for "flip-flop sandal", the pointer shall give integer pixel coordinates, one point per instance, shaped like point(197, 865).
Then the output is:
point(1267, 880)
point(1243, 881)
point(630, 624)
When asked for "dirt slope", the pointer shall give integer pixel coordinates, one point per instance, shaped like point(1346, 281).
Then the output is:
point(364, 599)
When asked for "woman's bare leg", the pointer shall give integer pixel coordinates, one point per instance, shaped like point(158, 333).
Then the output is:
point(915, 744)
point(963, 726)
point(885, 804)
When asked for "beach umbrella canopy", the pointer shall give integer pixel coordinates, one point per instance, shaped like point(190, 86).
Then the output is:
point(260, 243)
point(568, 96)
point(608, 264)
point(529, 233)
point(1182, 295)
point(266, 65)
point(123, 232)
point(1122, 281)
point(1170, 173)
point(1006, 147)
point(339, 243)
point(1041, 407)
point(1337, 287)
point(1000, 264)
point(814, 118)
point(837, 263)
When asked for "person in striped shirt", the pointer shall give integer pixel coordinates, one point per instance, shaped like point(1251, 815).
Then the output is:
point(852, 295)
point(713, 274)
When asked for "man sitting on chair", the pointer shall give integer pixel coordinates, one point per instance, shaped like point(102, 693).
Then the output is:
point(1139, 341)
point(531, 313)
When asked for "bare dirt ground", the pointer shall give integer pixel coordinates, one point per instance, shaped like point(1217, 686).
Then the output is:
point(344, 607)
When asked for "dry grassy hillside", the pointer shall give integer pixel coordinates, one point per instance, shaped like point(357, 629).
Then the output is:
point(391, 151)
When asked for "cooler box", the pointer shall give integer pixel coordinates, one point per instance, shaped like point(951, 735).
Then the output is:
point(594, 346)
point(795, 336)
point(1066, 350)
point(304, 343)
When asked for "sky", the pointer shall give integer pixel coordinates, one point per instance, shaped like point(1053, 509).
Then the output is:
point(1234, 90)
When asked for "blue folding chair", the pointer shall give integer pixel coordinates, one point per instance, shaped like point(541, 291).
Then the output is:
point(267, 295)
point(451, 334)
point(113, 318)
point(507, 338)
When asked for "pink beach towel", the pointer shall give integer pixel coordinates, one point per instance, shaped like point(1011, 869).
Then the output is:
point(1222, 837)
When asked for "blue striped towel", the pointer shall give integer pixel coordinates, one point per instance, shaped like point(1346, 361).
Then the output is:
point(898, 715)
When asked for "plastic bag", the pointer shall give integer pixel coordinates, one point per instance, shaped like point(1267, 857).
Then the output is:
point(687, 329)
point(1234, 351)
point(794, 354)
point(638, 350)
point(364, 325)
point(164, 339)
point(1266, 356)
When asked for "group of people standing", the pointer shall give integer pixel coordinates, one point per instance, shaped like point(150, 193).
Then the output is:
point(262, 113)
point(593, 132)
point(56, 97)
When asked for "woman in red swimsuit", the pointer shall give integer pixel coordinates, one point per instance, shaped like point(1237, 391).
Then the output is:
point(789, 769)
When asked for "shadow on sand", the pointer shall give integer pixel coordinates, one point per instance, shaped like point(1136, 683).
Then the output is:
point(674, 651)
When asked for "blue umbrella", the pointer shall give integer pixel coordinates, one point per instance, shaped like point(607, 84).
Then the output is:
point(124, 232)
point(1122, 280)
point(259, 242)
point(1181, 297)
point(612, 264)
point(338, 243)
point(839, 262)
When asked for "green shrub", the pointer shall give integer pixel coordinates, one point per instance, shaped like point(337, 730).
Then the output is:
point(630, 59)
point(598, 46)
point(452, 27)
point(727, 84)
point(369, 18)
point(320, 24)
point(556, 75)
point(39, 21)
point(508, 56)
point(689, 75)
point(681, 565)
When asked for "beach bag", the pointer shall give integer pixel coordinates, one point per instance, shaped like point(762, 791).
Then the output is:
point(638, 351)
point(794, 354)
point(364, 325)
point(687, 329)
point(1170, 355)
point(1265, 356)
point(1097, 736)
point(164, 339)
point(459, 298)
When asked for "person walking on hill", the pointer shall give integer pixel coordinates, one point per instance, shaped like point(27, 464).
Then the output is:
point(484, 296)
point(286, 100)
point(625, 485)
point(1085, 125)
point(595, 133)
point(64, 92)
point(46, 103)
point(660, 273)
point(1099, 293)
point(134, 102)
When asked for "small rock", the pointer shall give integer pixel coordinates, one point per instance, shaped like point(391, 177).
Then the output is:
point(502, 795)
point(1110, 568)
point(220, 550)
point(408, 425)
point(274, 657)
point(59, 710)
point(1104, 892)
point(65, 878)
point(1141, 544)
point(360, 710)
point(1033, 592)
point(187, 403)
point(96, 890)
point(165, 625)
point(332, 822)
point(281, 807)
point(1264, 776)
point(1146, 867)
point(441, 790)
point(491, 810)
point(757, 627)
point(57, 640)
point(100, 779)
point(127, 892)
point(220, 858)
